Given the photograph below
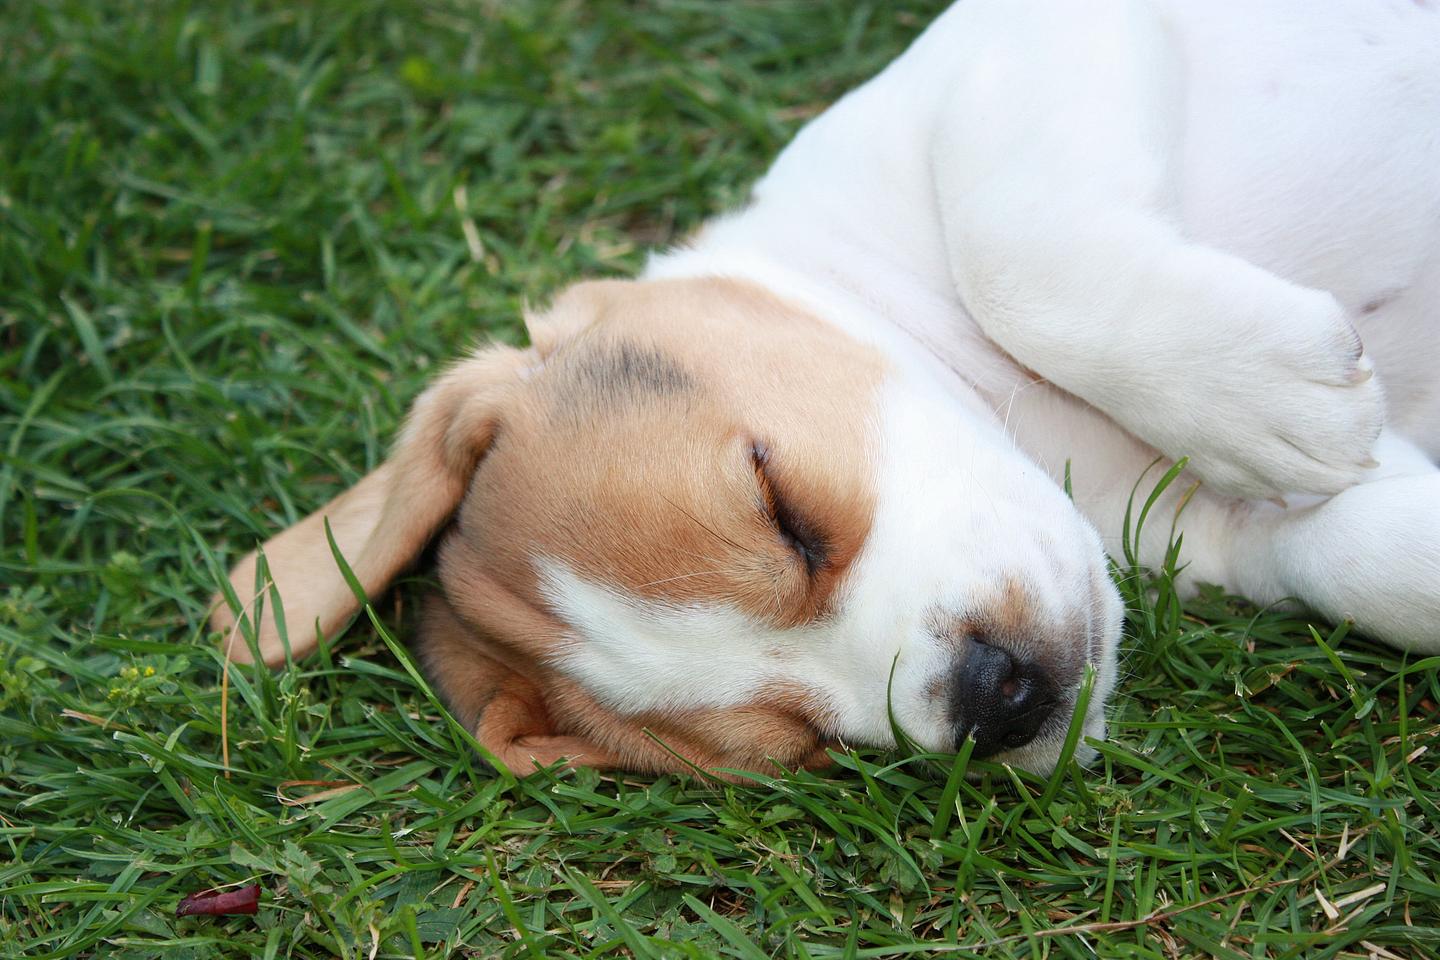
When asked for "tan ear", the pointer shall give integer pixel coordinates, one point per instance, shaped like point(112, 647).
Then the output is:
point(383, 523)
point(495, 692)
point(526, 715)
point(573, 310)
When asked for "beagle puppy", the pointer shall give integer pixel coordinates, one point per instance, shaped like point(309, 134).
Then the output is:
point(805, 473)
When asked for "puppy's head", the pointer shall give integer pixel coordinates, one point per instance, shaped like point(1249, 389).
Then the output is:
point(695, 524)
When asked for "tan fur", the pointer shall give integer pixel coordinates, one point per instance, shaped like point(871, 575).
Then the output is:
point(382, 523)
point(662, 499)
point(526, 715)
point(620, 445)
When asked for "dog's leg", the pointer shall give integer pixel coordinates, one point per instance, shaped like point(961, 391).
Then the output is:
point(1053, 162)
point(1370, 554)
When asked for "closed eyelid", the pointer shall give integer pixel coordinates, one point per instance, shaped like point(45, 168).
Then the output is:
point(809, 542)
point(764, 486)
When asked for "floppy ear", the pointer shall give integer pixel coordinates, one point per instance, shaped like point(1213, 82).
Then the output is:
point(576, 308)
point(493, 691)
point(383, 523)
point(526, 714)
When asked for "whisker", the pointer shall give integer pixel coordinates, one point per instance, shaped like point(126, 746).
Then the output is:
point(703, 525)
point(687, 576)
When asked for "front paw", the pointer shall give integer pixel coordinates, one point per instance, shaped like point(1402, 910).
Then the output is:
point(1289, 403)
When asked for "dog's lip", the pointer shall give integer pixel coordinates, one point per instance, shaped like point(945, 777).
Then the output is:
point(1092, 628)
point(1097, 625)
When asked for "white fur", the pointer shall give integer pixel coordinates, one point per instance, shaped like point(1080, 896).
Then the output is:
point(637, 656)
point(936, 459)
point(1183, 218)
point(1183, 213)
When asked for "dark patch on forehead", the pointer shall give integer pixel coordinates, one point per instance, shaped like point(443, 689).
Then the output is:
point(625, 369)
point(604, 377)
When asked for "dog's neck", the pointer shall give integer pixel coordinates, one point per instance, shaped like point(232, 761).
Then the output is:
point(859, 288)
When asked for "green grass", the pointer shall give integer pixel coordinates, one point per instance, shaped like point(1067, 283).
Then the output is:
point(235, 240)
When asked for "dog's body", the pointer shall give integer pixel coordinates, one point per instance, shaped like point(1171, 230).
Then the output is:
point(1110, 231)
point(1293, 151)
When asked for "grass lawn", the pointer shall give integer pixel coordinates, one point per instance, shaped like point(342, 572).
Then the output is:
point(235, 240)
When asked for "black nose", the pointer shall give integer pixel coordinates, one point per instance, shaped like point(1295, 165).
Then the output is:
point(1000, 701)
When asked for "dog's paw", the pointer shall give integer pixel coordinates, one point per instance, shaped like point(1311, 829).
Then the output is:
point(1283, 399)
point(1370, 555)
point(1301, 436)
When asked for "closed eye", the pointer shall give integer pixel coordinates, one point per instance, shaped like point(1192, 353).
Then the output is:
point(797, 532)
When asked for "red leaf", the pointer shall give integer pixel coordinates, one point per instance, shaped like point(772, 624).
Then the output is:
point(218, 903)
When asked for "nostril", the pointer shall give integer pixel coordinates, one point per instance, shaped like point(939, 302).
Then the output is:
point(1000, 701)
